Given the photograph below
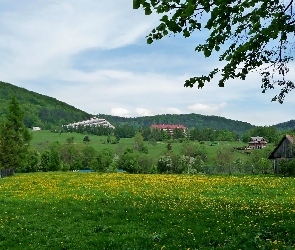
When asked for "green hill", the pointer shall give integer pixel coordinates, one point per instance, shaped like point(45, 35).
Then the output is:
point(290, 125)
point(188, 120)
point(40, 110)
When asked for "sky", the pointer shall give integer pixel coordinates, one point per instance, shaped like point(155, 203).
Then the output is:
point(94, 56)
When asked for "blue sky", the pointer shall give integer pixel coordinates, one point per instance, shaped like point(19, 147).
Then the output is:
point(93, 55)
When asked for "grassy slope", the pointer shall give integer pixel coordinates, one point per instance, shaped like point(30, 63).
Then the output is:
point(98, 142)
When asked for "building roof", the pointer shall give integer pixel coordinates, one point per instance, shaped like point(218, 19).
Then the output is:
point(257, 138)
point(168, 126)
point(286, 137)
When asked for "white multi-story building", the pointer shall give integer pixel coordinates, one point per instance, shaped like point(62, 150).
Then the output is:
point(92, 122)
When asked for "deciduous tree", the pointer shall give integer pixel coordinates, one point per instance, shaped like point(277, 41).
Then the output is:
point(249, 35)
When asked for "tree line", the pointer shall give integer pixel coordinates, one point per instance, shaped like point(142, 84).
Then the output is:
point(128, 131)
point(270, 133)
point(188, 120)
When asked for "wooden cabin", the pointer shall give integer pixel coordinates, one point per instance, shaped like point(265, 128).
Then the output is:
point(285, 150)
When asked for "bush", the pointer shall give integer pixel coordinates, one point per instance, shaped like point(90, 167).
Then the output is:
point(287, 168)
point(144, 162)
point(128, 162)
point(105, 158)
point(165, 164)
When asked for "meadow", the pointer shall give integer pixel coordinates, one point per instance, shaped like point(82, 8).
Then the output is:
point(74, 210)
point(41, 138)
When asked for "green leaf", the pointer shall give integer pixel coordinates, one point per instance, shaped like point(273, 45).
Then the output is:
point(136, 4)
point(186, 33)
point(164, 19)
point(207, 52)
point(284, 36)
point(190, 10)
point(148, 11)
point(149, 40)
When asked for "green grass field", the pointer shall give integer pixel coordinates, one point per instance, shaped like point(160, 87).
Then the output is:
point(122, 211)
point(99, 142)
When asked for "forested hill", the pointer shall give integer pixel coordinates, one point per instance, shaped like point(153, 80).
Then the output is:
point(40, 110)
point(188, 120)
point(290, 125)
point(47, 112)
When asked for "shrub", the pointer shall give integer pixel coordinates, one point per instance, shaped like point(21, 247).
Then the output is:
point(128, 162)
point(287, 168)
point(165, 164)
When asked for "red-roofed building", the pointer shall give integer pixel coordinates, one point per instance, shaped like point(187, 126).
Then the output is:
point(257, 142)
point(168, 127)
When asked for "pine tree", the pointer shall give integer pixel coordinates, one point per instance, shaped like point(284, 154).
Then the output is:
point(14, 139)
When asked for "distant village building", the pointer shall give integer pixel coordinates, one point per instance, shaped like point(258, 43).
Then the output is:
point(36, 128)
point(257, 142)
point(168, 127)
point(285, 150)
point(92, 122)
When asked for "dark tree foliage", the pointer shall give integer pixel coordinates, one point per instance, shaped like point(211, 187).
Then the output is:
point(125, 131)
point(14, 138)
point(251, 35)
point(39, 110)
point(129, 163)
point(269, 133)
point(286, 125)
point(86, 138)
point(188, 120)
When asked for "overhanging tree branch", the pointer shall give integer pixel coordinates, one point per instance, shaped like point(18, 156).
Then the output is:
point(251, 27)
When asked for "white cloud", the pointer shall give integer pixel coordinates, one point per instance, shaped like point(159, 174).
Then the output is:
point(39, 38)
point(39, 41)
point(207, 109)
point(143, 112)
point(171, 111)
point(120, 112)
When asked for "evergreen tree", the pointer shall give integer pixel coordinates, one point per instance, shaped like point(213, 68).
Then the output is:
point(14, 138)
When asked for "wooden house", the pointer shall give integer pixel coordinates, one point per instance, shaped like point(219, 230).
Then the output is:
point(257, 142)
point(285, 150)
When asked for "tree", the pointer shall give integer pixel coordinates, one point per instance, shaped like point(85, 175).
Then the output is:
point(224, 159)
point(14, 138)
point(71, 156)
point(86, 139)
point(55, 162)
point(139, 144)
point(105, 158)
point(138, 141)
point(253, 35)
point(165, 164)
point(128, 162)
point(258, 165)
point(34, 161)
